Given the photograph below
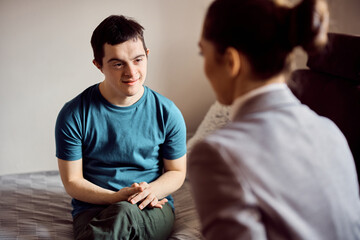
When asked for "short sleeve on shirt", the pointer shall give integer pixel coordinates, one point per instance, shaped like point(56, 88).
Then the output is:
point(175, 141)
point(68, 134)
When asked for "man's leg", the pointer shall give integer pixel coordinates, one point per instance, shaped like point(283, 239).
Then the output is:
point(124, 220)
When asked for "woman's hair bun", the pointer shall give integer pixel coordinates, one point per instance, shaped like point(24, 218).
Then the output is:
point(308, 24)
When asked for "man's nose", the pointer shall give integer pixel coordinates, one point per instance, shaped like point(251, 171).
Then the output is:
point(130, 71)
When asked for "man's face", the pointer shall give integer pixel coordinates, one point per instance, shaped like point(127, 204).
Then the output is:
point(124, 67)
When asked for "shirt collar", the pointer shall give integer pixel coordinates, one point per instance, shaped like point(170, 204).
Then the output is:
point(239, 102)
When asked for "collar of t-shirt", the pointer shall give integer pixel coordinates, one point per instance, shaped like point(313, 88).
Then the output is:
point(239, 102)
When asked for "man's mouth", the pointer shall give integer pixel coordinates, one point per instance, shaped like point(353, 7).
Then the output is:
point(131, 82)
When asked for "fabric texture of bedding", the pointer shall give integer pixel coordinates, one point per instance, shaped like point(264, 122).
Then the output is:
point(216, 117)
point(36, 206)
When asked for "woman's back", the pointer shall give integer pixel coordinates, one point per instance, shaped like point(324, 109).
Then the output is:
point(278, 171)
point(292, 168)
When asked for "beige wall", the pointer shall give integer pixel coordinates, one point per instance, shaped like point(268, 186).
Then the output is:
point(46, 57)
point(345, 17)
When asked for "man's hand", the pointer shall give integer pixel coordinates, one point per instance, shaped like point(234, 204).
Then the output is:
point(146, 196)
point(171, 180)
point(125, 193)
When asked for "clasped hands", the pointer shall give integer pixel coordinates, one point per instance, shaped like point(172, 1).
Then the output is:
point(143, 193)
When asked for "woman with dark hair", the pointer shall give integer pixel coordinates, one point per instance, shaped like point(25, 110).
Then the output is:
point(278, 170)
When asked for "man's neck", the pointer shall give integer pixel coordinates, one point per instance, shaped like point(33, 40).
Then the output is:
point(119, 100)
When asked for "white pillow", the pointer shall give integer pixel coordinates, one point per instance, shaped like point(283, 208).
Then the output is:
point(216, 117)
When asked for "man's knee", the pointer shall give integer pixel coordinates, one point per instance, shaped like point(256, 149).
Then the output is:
point(117, 221)
point(120, 209)
point(124, 220)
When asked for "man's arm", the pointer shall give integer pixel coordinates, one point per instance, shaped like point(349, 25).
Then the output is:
point(81, 189)
point(170, 181)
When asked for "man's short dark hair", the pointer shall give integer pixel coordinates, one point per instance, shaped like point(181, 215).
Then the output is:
point(113, 30)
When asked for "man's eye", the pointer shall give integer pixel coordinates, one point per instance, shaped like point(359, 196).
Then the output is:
point(117, 65)
point(138, 60)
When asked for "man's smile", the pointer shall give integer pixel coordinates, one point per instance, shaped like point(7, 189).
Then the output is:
point(131, 81)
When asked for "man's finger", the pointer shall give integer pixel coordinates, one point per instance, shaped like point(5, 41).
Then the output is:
point(140, 196)
point(147, 201)
point(161, 203)
point(154, 202)
point(158, 206)
point(144, 184)
point(134, 191)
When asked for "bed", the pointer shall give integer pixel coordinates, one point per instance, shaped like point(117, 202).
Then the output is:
point(36, 206)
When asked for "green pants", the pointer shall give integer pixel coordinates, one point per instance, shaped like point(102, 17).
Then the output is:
point(124, 220)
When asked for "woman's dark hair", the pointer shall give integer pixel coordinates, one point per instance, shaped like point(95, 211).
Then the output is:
point(114, 30)
point(262, 30)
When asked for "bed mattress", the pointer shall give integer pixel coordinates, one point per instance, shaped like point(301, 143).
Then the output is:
point(36, 206)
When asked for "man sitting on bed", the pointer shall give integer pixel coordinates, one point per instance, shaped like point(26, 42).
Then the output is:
point(121, 147)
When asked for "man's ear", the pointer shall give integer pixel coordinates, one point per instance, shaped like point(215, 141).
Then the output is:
point(233, 61)
point(97, 65)
point(147, 52)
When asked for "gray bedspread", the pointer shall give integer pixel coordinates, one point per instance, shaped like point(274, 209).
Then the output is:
point(36, 206)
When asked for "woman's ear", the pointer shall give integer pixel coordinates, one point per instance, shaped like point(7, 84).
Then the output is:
point(97, 65)
point(233, 61)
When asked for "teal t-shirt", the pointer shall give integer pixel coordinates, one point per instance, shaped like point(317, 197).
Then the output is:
point(119, 145)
